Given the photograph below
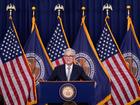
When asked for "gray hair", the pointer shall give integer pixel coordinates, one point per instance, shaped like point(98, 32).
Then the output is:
point(73, 52)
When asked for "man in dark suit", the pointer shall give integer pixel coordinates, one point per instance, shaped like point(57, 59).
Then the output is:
point(69, 71)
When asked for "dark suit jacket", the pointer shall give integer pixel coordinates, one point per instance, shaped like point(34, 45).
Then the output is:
point(59, 74)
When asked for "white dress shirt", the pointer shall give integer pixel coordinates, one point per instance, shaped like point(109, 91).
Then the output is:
point(68, 69)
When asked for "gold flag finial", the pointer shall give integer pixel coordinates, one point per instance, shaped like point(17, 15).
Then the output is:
point(128, 9)
point(33, 9)
point(83, 10)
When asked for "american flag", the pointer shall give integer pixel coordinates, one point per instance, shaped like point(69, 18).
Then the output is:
point(124, 88)
point(57, 44)
point(16, 81)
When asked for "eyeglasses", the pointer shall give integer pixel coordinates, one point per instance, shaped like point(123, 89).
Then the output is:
point(70, 56)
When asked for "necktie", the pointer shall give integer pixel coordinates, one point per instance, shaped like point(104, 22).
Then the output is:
point(68, 74)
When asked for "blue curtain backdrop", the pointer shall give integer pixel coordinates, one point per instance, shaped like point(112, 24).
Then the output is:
point(46, 17)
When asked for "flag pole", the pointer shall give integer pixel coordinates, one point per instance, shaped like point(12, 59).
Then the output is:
point(128, 7)
point(33, 18)
point(60, 8)
point(34, 26)
point(10, 8)
point(130, 23)
point(108, 7)
point(83, 14)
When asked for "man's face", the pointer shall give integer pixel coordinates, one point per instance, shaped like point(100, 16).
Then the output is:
point(69, 58)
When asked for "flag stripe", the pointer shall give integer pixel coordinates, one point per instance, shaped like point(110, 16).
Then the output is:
point(109, 103)
point(27, 69)
point(58, 62)
point(7, 85)
point(123, 82)
point(21, 66)
point(28, 75)
point(63, 60)
point(114, 99)
point(3, 91)
point(116, 82)
point(10, 79)
point(115, 94)
point(128, 75)
point(124, 77)
point(15, 83)
point(17, 91)
point(4, 83)
point(19, 81)
point(115, 86)
point(134, 82)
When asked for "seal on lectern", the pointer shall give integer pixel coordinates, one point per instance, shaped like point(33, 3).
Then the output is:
point(67, 92)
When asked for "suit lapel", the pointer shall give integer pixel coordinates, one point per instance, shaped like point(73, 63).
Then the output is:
point(64, 73)
point(73, 73)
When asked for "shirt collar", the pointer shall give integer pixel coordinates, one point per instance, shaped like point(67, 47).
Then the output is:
point(71, 66)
